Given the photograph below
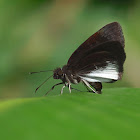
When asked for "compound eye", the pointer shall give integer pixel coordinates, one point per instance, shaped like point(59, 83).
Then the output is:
point(55, 76)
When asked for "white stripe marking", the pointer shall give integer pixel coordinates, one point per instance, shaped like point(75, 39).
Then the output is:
point(105, 74)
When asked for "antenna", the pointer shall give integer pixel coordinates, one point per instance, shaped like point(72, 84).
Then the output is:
point(39, 71)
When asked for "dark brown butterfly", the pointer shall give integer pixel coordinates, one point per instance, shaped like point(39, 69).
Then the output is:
point(99, 59)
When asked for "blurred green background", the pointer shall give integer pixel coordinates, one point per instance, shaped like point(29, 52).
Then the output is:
point(41, 35)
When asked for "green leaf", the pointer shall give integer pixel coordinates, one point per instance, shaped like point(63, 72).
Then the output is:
point(113, 115)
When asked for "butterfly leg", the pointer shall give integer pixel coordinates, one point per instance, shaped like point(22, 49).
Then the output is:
point(82, 91)
point(87, 88)
point(63, 88)
point(88, 85)
point(76, 89)
point(53, 87)
point(69, 85)
point(97, 86)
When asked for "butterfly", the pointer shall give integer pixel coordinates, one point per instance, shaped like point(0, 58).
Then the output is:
point(99, 59)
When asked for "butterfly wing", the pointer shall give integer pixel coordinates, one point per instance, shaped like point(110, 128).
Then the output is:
point(103, 63)
point(110, 32)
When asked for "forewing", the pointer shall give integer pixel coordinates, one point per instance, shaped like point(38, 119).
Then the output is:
point(110, 32)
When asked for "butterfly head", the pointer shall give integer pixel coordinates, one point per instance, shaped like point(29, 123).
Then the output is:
point(58, 74)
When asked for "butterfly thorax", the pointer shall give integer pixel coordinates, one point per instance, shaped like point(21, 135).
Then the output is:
point(66, 75)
